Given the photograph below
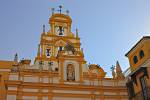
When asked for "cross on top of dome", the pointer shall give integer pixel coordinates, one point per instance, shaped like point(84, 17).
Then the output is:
point(59, 10)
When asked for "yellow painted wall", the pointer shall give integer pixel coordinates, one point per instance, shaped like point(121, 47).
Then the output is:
point(145, 46)
point(148, 80)
point(137, 87)
point(142, 46)
point(2, 88)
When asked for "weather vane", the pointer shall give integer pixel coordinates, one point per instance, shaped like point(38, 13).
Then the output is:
point(60, 8)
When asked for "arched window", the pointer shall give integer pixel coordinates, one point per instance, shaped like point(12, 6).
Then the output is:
point(70, 73)
point(48, 52)
point(60, 48)
point(135, 59)
point(141, 54)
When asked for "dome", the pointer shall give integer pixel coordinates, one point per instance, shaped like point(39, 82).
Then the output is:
point(60, 18)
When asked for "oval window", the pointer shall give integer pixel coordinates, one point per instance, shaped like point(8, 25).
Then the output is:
point(141, 54)
point(135, 59)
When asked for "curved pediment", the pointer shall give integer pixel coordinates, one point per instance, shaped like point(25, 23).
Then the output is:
point(60, 17)
point(97, 70)
point(61, 42)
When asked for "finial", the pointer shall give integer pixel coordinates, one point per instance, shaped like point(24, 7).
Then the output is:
point(43, 28)
point(41, 63)
point(119, 71)
point(113, 67)
point(38, 50)
point(118, 68)
point(50, 65)
point(77, 35)
point(113, 72)
point(16, 57)
point(52, 9)
point(67, 11)
point(60, 8)
point(82, 50)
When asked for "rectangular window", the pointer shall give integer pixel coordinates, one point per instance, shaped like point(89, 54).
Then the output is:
point(144, 87)
point(130, 88)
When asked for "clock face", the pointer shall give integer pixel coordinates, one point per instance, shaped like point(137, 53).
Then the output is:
point(60, 30)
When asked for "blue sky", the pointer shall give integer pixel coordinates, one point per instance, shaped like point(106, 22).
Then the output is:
point(108, 28)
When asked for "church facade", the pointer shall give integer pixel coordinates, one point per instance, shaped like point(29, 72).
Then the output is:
point(60, 71)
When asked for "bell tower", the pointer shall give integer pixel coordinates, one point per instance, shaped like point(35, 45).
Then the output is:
point(59, 48)
point(60, 24)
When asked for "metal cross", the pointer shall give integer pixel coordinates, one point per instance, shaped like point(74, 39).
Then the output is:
point(60, 7)
point(53, 9)
point(67, 11)
point(43, 28)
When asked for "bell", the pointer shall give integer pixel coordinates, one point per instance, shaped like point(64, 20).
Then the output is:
point(60, 33)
